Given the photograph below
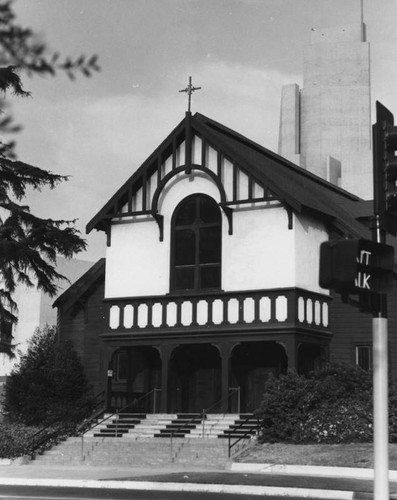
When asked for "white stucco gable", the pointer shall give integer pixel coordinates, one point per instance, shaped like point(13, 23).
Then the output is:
point(274, 215)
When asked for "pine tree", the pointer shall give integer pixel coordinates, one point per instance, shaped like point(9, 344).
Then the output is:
point(28, 244)
point(48, 384)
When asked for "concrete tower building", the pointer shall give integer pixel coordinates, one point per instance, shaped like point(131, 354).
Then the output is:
point(325, 127)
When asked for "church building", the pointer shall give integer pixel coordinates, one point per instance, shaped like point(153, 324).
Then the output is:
point(210, 282)
point(211, 277)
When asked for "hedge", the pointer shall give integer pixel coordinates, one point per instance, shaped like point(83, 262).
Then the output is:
point(18, 439)
point(331, 405)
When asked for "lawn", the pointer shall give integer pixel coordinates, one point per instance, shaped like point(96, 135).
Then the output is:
point(337, 455)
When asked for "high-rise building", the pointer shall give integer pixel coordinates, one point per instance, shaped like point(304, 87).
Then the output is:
point(325, 126)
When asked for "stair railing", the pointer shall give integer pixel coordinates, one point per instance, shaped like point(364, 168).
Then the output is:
point(180, 429)
point(155, 391)
point(232, 390)
point(92, 422)
point(236, 389)
point(247, 434)
point(55, 428)
point(45, 434)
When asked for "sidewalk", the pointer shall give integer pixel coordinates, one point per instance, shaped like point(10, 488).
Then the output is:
point(253, 479)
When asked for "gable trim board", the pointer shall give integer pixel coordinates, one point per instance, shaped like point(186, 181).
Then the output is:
point(83, 285)
point(268, 178)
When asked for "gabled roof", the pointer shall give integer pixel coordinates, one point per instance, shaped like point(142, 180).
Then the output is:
point(294, 186)
point(83, 285)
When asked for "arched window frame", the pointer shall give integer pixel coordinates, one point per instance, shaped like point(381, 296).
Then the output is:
point(198, 266)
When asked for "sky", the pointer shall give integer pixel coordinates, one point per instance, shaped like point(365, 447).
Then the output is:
point(99, 130)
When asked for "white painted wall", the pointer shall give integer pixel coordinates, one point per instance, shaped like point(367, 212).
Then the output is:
point(309, 234)
point(137, 263)
point(262, 252)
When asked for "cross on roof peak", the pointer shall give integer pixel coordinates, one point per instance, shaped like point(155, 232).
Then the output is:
point(189, 90)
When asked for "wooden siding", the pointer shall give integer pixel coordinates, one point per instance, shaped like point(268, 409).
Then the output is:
point(82, 325)
point(350, 328)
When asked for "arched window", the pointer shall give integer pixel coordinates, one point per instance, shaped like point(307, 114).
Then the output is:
point(196, 238)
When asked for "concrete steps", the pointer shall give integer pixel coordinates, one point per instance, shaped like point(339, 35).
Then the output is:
point(133, 426)
point(144, 452)
point(142, 440)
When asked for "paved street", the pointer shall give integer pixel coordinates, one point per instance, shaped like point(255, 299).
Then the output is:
point(29, 481)
point(56, 493)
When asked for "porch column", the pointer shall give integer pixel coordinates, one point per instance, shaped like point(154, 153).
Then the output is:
point(291, 351)
point(165, 352)
point(224, 348)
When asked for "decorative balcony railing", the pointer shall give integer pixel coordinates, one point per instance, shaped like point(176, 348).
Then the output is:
point(265, 309)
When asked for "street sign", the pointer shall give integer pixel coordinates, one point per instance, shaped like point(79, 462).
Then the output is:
point(356, 266)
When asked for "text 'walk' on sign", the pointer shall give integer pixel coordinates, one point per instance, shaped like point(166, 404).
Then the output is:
point(356, 266)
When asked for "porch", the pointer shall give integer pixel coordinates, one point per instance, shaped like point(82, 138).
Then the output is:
point(285, 308)
point(192, 350)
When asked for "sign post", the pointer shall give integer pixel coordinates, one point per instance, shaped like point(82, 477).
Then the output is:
point(381, 408)
point(384, 143)
point(366, 268)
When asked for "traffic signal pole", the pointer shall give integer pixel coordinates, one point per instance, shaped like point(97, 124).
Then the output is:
point(366, 268)
point(384, 146)
point(380, 390)
point(380, 409)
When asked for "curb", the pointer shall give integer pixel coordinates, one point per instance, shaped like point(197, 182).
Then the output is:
point(311, 470)
point(187, 487)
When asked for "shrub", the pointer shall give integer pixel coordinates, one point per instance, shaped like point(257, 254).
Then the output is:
point(14, 438)
point(346, 422)
point(331, 405)
point(48, 385)
point(18, 439)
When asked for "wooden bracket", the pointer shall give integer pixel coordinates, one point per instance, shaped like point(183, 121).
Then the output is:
point(160, 222)
point(229, 215)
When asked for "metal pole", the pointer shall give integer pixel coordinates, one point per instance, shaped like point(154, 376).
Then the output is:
point(380, 409)
point(380, 386)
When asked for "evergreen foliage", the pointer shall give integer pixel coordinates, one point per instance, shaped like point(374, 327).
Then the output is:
point(48, 385)
point(28, 244)
point(331, 405)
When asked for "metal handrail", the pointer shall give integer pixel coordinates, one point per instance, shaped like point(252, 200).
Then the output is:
point(244, 436)
point(203, 415)
point(100, 399)
point(206, 410)
point(179, 429)
point(35, 441)
point(134, 403)
point(117, 412)
point(232, 391)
